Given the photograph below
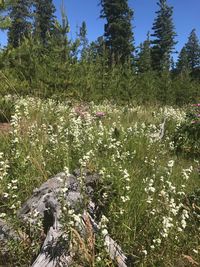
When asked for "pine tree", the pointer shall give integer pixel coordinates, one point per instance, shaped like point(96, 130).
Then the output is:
point(183, 62)
point(20, 24)
point(44, 19)
point(96, 49)
point(164, 35)
point(83, 39)
point(118, 30)
point(189, 57)
point(192, 48)
point(60, 34)
point(5, 21)
point(144, 56)
point(83, 33)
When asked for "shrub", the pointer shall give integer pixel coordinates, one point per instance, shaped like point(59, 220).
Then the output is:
point(187, 135)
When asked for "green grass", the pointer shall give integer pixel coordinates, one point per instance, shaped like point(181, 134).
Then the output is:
point(145, 190)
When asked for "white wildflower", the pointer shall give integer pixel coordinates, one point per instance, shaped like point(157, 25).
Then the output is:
point(104, 232)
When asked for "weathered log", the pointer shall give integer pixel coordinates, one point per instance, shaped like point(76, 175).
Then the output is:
point(55, 250)
point(7, 234)
point(67, 185)
point(48, 256)
point(113, 249)
point(162, 129)
point(160, 134)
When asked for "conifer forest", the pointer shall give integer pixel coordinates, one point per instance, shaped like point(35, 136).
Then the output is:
point(99, 140)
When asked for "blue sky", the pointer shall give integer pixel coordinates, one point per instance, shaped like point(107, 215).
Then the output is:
point(186, 17)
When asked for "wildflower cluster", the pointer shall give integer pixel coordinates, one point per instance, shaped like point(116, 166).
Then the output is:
point(3, 166)
point(166, 210)
point(187, 135)
point(142, 185)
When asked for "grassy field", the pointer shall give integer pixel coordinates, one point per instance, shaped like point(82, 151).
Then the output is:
point(150, 190)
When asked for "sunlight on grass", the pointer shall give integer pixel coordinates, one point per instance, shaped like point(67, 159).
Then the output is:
point(149, 193)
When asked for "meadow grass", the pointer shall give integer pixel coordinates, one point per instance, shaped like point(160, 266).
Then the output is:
point(148, 195)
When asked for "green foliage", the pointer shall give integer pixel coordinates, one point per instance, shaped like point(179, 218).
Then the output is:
point(189, 57)
point(187, 136)
point(147, 194)
point(44, 19)
point(165, 92)
point(118, 30)
point(164, 34)
point(20, 26)
point(60, 35)
point(49, 64)
point(192, 48)
point(55, 70)
point(5, 21)
point(182, 63)
point(146, 87)
point(6, 109)
point(143, 62)
point(144, 190)
point(83, 40)
point(186, 90)
point(96, 49)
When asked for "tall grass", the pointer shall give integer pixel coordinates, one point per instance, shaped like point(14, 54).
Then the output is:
point(146, 187)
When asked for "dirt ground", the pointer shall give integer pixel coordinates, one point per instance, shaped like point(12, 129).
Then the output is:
point(4, 127)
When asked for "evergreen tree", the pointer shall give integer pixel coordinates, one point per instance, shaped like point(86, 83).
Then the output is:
point(83, 39)
point(5, 21)
point(83, 33)
point(183, 87)
point(44, 19)
point(192, 48)
point(144, 56)
point(96, 48)
point(118, 30)
point(183, 62)
point(20, 24)
point(164, 35)
point(189, 57)
point(60, 34)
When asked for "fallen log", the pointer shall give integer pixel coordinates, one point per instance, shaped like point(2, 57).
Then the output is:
point(7, 234)
point(113, 249)
point(158, 136)
point(53, 252)
point(51, 243)
point(56, 250)
point(162, 129)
